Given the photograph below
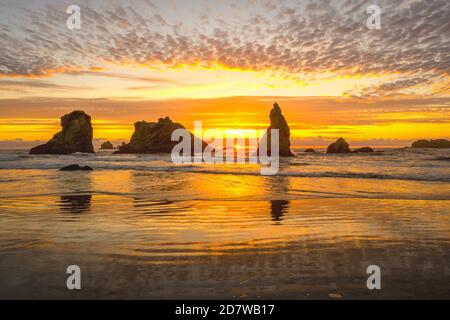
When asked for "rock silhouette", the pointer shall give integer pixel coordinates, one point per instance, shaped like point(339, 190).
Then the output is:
point(439, 143)
point(106, 146)
point(277, 121)
point(310, 150)
point(75, 136)
point(154, 137)
point(339, 146)
point(363, 150)
point(76, 167)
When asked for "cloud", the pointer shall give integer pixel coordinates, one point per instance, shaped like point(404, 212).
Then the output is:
point(144, 87)
point(155, 80)
point(402, 87)
point(302, 113)
point(25, 85)
point(319, 37)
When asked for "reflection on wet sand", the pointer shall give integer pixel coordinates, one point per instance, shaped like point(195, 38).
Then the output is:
point(278, 208)
point(78, 199)
point(75, 203)
point(142, 248)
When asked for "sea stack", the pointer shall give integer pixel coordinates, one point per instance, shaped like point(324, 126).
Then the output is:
point(339, 146)
point(154, 137)
point(75, 136)
point(277, 121)
point(106, 146)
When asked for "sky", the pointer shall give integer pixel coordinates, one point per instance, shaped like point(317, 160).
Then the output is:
point(225, 63)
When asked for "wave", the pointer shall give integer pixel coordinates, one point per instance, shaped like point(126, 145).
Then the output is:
point(334, 175)
point(199, 169)
point(401, 165)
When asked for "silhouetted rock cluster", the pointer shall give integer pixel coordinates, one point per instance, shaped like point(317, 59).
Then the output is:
point(154, 137)
point(75, 136)
point(439, 143)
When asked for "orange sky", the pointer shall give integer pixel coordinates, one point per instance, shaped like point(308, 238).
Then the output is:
point(313, 120)
point(226, 64)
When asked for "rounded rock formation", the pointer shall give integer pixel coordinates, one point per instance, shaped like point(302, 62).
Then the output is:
point(106, 146)
point(339, 146)
point(153, 137)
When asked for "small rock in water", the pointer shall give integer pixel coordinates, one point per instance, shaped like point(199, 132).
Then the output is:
point(106, 146)
point(335, 295)
point(76, 167)
point(363, 150)
point(310, 150)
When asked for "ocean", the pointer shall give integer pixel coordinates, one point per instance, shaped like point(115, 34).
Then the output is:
point(139, 226)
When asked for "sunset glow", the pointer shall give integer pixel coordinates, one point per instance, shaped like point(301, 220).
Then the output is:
point(225, 158)
point(162, 62)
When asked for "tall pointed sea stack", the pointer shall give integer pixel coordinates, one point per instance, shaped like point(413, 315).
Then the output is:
point(75, 136)
point(277, 121)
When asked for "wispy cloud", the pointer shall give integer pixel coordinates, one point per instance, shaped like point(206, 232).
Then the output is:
point(154, 80)
point(25, 85)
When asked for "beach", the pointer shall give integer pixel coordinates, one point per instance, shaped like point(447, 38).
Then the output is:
point(141, 227)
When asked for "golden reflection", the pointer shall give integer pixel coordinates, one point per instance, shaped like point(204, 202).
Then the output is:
point(227, 186)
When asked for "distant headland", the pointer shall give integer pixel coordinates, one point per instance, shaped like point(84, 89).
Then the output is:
point(439, 143)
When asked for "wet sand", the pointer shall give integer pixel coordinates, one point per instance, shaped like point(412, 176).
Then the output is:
point(136, 248)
